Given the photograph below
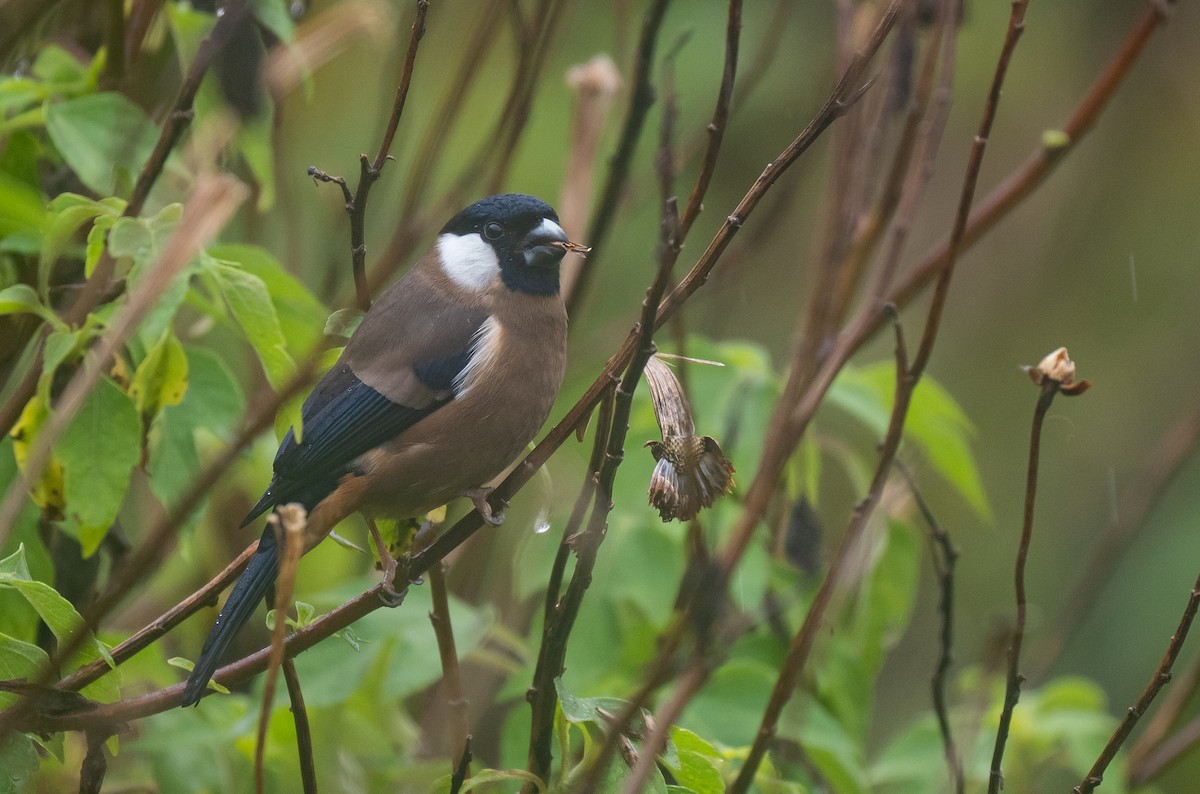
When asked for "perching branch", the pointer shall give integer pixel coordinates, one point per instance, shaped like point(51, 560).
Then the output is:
point(1157, 681)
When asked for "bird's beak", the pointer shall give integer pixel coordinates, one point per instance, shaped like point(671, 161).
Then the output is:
point(543, 246)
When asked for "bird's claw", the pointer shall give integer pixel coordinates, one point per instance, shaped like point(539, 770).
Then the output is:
point(388, 594)
point(479, 498)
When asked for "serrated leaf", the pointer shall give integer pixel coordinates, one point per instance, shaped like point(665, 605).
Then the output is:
point(162, 377)
point(61, 618)
point(250, 304)
point(105, 138)
point(300, 313)
point(97, 451)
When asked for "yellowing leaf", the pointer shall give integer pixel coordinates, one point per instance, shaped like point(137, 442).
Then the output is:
point(48, 490)
point(162, 377)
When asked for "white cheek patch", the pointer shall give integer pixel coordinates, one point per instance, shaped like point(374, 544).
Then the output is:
point(468, 260)
point(485, 355)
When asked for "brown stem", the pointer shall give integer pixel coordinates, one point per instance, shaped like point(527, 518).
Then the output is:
point(143, 638)
point(288, 522)
point(720, 119)
point(1157, 681)
point(541, 694)
point(304, 742)
point(459, 726)
point(369, 170)
point(641, 97)
point(945, 556)
point(1012, 692)
point(1174, 449)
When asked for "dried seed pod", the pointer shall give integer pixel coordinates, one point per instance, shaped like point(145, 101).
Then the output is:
point(1058, 366)
point(691, 471)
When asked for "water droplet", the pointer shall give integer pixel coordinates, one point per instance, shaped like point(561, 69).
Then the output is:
point(541, 524)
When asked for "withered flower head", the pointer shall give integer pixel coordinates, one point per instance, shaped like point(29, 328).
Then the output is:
point(692, 472)
point(1058, 367)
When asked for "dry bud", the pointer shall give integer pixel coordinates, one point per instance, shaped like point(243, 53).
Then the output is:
point(692, 472)
point(1058, 367)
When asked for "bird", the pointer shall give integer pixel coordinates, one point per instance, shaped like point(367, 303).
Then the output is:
point(449, 375)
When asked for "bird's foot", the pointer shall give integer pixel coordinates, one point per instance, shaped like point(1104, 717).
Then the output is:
point(388, 594)
point(479, 498)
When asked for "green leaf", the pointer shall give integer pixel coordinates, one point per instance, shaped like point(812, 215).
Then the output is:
point(189, 665)
point(68, 213)
point(97, 451)
point(214, 399)
point(105, 138)
point(19, 660)
point(18, 762)
point(343, 322)
point(21, 207)
point(697, 764)
point(61, 618)
point(161, 378)
point(935, 423)
point(23, 299)
point(301, 315)
point(250, 303)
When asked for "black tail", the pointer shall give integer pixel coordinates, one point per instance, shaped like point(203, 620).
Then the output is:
point(250, 588)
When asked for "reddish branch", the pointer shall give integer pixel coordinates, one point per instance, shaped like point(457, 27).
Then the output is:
point(1160, 678)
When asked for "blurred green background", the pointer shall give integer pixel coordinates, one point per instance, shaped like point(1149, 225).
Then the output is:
point(1103, 258)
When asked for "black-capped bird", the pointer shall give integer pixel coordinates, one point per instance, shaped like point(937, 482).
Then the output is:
point(446, 380)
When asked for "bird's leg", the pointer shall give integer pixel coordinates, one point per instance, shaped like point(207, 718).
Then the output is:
point(388, 593)
point(479, 498)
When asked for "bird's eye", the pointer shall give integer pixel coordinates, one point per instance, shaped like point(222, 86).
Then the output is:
point(493, 231)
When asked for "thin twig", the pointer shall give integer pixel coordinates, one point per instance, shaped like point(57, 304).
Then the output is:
point(288, 523)
point(1012, 691)
point(1157, 681)
point(1176, 447)
point(641, 97)
point(304, 742)
point(463, 768)
point(720, 119)
point(458, 727)
point(944, 558)
point(541, 694)
point(143, 638)
point(656, 743)
point(1143, 770)
point(369, 170)
point(1154, 734)
point(802, 643)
